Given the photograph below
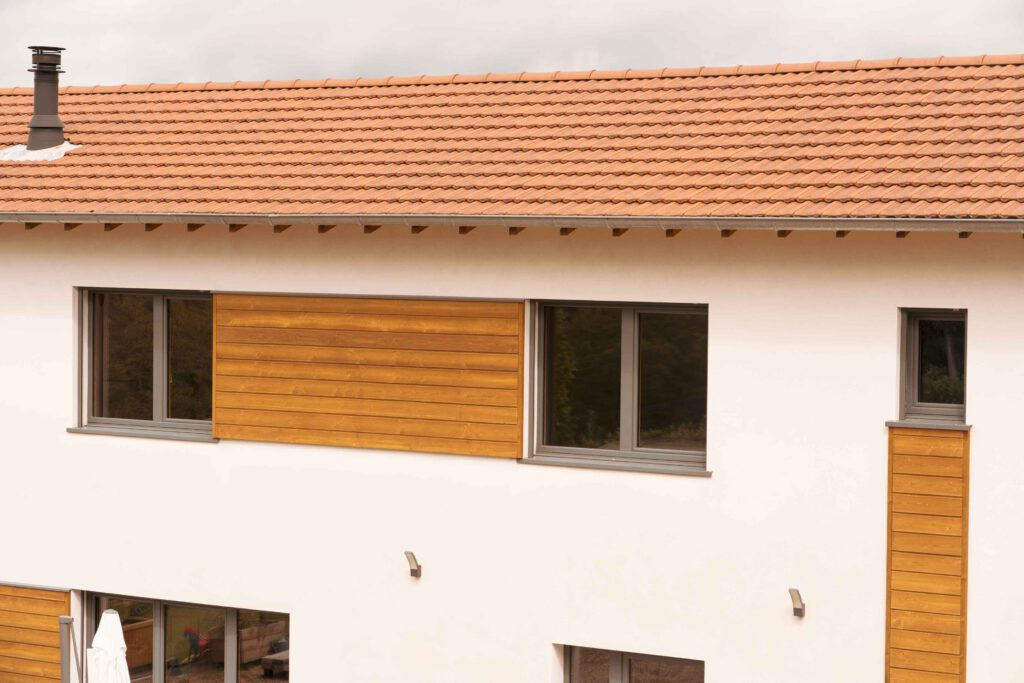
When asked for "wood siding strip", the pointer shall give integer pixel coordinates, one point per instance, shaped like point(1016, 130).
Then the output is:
point(368, 425)
point(378, 441)
point(35, 653)
point(387, 357)
point(39, 622)
point(928, 505)
point(16, 665)
point(926, 661)
point(36, 593)
point(369, 390)
point(10, 603)
point(305, 304)
point(29, 633)
point(927, 524)
point(926, 623)
point(368, 323)
point(29, 636)
point(10, 677)
point(479, 379)
point(374, 340)
point(370, 407)
point(920, 445)
point(926, 599)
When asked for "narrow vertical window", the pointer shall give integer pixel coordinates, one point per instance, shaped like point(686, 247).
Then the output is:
point(934, 365)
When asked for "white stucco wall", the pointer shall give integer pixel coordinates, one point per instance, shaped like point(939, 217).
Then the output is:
point(803, 374)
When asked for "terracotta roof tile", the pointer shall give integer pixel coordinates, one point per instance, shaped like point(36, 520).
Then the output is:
point(939, 137)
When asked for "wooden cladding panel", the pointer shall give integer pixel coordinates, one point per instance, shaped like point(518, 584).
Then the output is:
point(398, 374)
point(927, 556)
point(30, 634)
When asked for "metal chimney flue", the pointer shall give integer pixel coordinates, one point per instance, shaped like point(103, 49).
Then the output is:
point(45, 129)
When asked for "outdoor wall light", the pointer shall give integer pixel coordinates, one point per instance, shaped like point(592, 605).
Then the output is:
point(415, 568)
point(799, 608)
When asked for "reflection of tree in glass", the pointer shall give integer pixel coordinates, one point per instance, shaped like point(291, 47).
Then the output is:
point(673, 380)
point(941, 361)
point(125, 356)
point(584, 360)
point(190, 359)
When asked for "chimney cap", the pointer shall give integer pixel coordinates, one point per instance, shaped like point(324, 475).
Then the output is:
point(45, 48)
point(45, 58)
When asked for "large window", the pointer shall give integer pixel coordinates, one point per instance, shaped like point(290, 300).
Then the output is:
point(586, 665)
point(198, 643)
point(934, 365)
point(622, 385)
point(149, 361)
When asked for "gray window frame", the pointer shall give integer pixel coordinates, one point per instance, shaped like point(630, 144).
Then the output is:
point(231, 659)
point(630, 455)
point(619, 667)
point(161, 425)
point(911, 408)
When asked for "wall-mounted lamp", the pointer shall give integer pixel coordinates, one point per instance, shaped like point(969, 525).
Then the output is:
point(799, 608)
point(415, 568)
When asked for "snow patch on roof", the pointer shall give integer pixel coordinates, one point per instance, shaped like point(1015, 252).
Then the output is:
point(22, 153)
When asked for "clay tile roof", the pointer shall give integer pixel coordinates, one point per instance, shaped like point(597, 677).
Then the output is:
point(905, 138)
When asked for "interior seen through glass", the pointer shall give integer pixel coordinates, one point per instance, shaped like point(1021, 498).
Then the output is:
point(583, 363)
point(137, 624)
point(262, 645)
point(194, 644)
point(189, 359)
point(587, 665)
point(673, 381)
point(123, 355)
point(941, 361)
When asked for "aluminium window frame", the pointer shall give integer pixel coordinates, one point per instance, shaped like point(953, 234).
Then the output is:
point(630, 455)
point(911, 408)
point(162, 425)
point(619, 666)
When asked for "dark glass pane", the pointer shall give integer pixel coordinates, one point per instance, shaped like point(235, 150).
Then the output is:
point(673, 381)
point(642, 670)
point(262, 645)
point(194, 644)
point(941, 361)
point(589, 666)
point(137, 623)
point(583, 364)
point(189, 359)
point(123, 355)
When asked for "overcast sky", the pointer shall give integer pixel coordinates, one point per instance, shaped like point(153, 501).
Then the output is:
point(141, 41)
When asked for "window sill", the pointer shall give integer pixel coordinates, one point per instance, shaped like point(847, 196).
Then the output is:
point(609, 463)
point(145, 433)
point(913, 423)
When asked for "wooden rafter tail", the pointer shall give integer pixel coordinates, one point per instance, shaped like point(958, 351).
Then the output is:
point(281, 228)
point(235, 227)
point(368, 229)
point(619, 232)
point(466, 229)
point(782, 233)
point(964, 234)
point(32, 226)
point(728, 232)
point(565, 232)
point(150, 227)
point(671, 232)
point(417, 229)
point(515, 231)
point(322, 229)
point(192, 227)
point(70, 226)
point(842, 233)
point(900, 234)
point(110, 227)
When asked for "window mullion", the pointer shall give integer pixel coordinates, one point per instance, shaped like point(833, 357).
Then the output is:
point(159, 643)
point(231, 658)
point(159, 358)
point(627, 384)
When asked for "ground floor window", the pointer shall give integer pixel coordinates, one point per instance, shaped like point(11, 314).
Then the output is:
point(180, 643)
point(587, 665)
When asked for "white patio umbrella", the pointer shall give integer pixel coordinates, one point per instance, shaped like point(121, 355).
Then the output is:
point(107, 661)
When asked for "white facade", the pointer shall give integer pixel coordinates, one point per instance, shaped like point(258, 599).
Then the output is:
point(803, 374)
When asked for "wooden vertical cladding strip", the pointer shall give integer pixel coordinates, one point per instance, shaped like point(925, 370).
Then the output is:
point(30, 633)
point(926, 582)
point(438, 376)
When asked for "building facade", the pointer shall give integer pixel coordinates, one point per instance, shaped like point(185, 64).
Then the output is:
point(764, 350)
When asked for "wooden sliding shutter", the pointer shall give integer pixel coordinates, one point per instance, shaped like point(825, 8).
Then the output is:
point(401, 374)
point(927, 604)
point(30, 633)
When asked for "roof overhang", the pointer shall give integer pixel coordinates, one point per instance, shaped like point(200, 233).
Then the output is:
point(675, 223)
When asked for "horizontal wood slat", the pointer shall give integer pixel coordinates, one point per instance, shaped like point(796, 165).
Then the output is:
point(30, 633)
point(927, 560)
point(399, 374)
